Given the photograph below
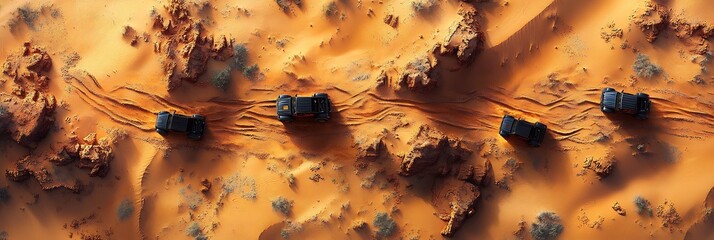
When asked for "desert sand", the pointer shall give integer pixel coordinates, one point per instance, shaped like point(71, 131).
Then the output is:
point(412, 151)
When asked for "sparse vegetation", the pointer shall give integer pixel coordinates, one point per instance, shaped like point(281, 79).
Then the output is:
point(361, 77)
point(423, 6)
point(4, 194)
point(125, 209)
point(240, 57)
point(644, 67)
point(245, 185)
point(290, 228)
point(251, 72)
point(282, 205)
point(283, 4)
point(385, 224)
point(195, 231)
point(192, 199)
point(643, 206)
point(330, 9)
point(222, 79)
point(546, 227)
point(24, 14)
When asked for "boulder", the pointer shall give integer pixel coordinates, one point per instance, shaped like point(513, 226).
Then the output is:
point(432, 151)
point(29, 118)
point(467, 39)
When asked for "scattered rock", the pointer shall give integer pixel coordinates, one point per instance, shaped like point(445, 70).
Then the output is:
point(467, 39)
point(460, 196)
point(391, 20)
point(432, 151)
point(602, 168)
point(619, 209)
point(206, 185)
point(358, 225)
point(669, 215)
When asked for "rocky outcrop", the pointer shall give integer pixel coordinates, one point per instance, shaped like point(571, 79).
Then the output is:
point(479, 175)
point(29, 117)
point(655, 19)
point(30, 167)
point(618, 209)
point(391, 20)
point(420, 74)
point(460, 197)
point(370, 148)
point(652, 20)
point(88, 155)
point(467, 39)
point(602, 168)
point(432, 151)
point(183, 45)
point(28, 68)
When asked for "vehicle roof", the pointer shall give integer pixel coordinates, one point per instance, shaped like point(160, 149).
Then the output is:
point(162, 121)
point(180, 123)
point(507, 124)
point(629, 101)
point(609, 99)
point(523, 129)
point(304, 104)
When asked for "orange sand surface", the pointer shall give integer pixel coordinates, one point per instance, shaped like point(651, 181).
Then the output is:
point(541, 60)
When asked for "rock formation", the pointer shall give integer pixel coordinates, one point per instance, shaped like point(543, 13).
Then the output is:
point(432, 151)
point(183, 45)
point(466, 41)
point(29, 117)
point(461, 198)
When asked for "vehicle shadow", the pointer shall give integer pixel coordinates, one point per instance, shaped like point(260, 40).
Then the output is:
point(546, 164)
point(316, 137)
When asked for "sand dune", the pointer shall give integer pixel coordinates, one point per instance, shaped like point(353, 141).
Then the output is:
point(419, 84)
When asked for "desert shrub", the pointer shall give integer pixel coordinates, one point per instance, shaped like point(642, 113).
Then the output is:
point(290, 228)
point(385, 224)
point(546, 227)
point(282, 205)
point(222, 79)
point(28, 15)
point(245, 186)
point(644, 67)
point(195, 231)
point(4, 195)
point(125, 209)
point(251, 72)
point(330, 9)
point(240, 56)
point(643, 206)
point(283, 4)
point(191, 198)
point(423, 6)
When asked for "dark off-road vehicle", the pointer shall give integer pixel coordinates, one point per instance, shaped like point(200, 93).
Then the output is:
point(316, 107)
point(534, 133)
point(193, 126)
point(614, 101)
